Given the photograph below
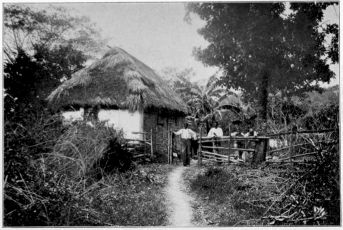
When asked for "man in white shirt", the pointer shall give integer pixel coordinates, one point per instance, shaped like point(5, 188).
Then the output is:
point(215, 132)
point(186, 136)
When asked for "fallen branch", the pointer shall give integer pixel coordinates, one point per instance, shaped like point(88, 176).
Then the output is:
point(301, 155)
point(282, 194)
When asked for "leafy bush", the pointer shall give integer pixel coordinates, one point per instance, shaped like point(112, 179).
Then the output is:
point(41, 184)
point(26, 138)
point(306, 194)
point(77, 176)
point(85, 151)
point(326, 118)
point(314, 197)
point(133, 198)
point(215, 183)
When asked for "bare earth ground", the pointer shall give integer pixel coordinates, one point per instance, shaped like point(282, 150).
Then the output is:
point(180, 202)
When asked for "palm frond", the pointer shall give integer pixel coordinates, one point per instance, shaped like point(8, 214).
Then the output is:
point(226, 96)
point(182, 89)
point(195, 91)
point(211, 81)
point(220, 91)
point(207, 117)
point(219, 113)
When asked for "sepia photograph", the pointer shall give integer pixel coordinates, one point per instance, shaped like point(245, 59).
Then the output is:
point(171, 114)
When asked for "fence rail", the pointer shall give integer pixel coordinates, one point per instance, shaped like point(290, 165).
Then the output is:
point(146, 144)
point(260, 149)
point(205, 151)
point(302, 131)
point(307, 140)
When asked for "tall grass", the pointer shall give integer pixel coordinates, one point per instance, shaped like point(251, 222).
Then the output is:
point(82, 148)
point(83, 176)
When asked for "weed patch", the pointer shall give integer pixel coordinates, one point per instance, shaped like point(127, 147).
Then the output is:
point(134, 198)
point(275, 195)
point(78, 176)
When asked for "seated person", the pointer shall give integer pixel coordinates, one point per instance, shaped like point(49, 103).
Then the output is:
point(251, 133)
point(239, 143)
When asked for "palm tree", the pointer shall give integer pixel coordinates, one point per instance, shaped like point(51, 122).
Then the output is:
point(204, 101)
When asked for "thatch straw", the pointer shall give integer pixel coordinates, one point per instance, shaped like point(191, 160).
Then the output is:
point(118, 79)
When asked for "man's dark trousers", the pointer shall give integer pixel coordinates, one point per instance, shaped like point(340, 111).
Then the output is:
point(186, 151)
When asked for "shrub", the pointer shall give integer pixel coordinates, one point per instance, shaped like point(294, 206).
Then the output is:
point(48, 168)
point(326, 118)
point(134, 198)
point(26, 138)
point(306, 194)
point(314, 198)
point(85, 151)
point(215, 183)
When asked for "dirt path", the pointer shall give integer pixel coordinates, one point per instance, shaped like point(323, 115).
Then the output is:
point(180, 209)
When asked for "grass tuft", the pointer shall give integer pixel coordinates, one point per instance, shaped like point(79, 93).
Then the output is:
point(86, 178)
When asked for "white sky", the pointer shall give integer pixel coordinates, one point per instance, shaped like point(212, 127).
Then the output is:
point(156, 33)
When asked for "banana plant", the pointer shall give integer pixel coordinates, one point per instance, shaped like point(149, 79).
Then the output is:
point(205, 103)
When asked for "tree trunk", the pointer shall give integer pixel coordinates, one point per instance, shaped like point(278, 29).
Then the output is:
point(261, 147)
point(260, 152)
point(264, 95)
point(207, 126)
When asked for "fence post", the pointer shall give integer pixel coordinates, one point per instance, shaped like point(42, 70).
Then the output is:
point(228, 159)
point(171, 145)
point(168, 147)
point(291, 149)
point(199, 153)
point(144, 138)
point(152, 148)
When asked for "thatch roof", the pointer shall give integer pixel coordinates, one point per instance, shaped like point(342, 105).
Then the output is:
point(118, 79)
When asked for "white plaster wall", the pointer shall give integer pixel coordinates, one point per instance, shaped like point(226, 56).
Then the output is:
point(123, 119)
point(70, 116)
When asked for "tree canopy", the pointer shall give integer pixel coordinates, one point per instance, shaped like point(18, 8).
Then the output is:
point(43, 48)
point(26, 27)
point(262, 51)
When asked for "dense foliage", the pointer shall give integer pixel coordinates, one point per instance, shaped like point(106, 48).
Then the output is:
point(262, 51)
point(77, 175)
point(276, 194)
point(314, 197)
point(42, 48)
point(34, 189)
point(27, 28)
point(58, 174)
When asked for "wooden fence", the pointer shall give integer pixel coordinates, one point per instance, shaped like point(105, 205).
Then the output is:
point(141, 148)
point(295, 143)
point(224, 153)
point(301, 144)
point(208, 149)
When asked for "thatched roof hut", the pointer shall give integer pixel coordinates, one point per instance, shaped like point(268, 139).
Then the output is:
point(117, 80)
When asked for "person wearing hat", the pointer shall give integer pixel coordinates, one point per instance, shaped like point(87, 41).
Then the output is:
point(186, 136)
